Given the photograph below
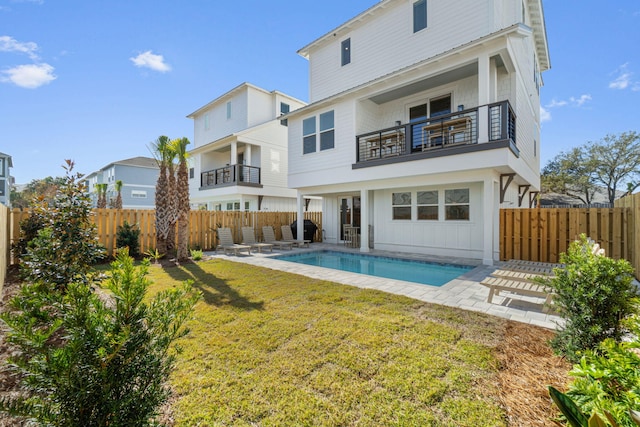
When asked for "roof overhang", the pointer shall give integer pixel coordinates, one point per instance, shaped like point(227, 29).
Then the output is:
point(536, 14)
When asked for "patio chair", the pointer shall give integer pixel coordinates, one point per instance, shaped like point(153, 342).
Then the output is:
point(270, 237)
point(287, 236)
point(249, 238)
point(226, 243)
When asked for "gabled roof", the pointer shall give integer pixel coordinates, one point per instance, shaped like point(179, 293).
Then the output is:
point(142, 162)
point(535, 11)
point(233, 92)
point(8, 157)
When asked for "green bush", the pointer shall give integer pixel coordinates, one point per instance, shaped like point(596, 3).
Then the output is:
point(96, 359)
point(593, 294)
point(128, 236)
point(196, 254)
point(64, 250)
point(29, 228)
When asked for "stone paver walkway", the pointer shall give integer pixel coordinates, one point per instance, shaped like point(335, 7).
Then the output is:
point(464, 292)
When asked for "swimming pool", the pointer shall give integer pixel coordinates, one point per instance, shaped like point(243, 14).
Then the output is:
point(422, 272)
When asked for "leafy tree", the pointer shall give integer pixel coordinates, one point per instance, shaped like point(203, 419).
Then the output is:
point(182, 197)
point(64, 250)
point(570, 173)
point(612, 163)
point(617, 159)
point(96, 360)
point(38, 189)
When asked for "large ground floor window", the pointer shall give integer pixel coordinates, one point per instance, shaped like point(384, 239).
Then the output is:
point(429, 205)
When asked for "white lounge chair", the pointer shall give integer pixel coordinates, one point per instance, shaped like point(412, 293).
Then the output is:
point(521, 287)
point(287, 236)
point(249, 238)
point(226, 243)
point(270, 237)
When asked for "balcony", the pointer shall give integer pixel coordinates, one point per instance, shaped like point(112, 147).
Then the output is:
point(443, 135)
point(244, 175)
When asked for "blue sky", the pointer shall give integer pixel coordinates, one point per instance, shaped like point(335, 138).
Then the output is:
point(98, 81)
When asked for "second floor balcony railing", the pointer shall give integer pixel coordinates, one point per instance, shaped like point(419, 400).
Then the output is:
point(230, 175)
point(438, 133)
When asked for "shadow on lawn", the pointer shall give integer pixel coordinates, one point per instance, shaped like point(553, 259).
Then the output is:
point(215, 291)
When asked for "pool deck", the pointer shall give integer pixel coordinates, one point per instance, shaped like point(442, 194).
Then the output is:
point(464, 292)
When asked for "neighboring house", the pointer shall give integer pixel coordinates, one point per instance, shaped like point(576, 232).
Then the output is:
point(139, 176)
point(424, 119)
point(5, 179)
point(239, 158)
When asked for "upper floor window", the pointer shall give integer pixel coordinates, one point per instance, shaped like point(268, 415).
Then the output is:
point(2, 185)
point(2, 167)
point(309, 135)
point(310, 130)
point(284, 109)
point(207, 124)
point(419, 15)
point(327, 133)
point(346, 51)
point(191, 173)
point(138, 194)
point(229, 110)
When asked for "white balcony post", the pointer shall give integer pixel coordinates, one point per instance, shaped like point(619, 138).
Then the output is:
point(234, 153)
point(364, 220)
point(490, 212)
point(247, 154)
point(484, 97)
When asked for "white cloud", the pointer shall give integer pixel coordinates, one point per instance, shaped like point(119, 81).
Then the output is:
point(624, 79)
point(579, 102)
point(554, 103)
point(545, 115)
point(9, 44)
point(150, 60)
point(28, 76)
point(572, 102)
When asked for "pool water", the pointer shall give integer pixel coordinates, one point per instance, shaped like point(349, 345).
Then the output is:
point(425, 273)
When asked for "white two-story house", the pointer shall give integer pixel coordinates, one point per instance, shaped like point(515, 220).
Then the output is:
point(423, 120)
point(239, 159)
point(5, 179)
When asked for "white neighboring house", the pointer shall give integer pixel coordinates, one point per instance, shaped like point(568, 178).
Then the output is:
point(424, 119)
point(139, 176)
point(239, 159)
point(5, 179)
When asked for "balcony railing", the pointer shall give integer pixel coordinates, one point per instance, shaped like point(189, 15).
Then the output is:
point(438, 133)
point(230, 175)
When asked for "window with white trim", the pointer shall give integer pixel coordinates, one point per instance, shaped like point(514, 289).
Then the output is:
point(345, 52)
point(309, 135)
point(401, 205)
point(427, 202)
point(2, 162)
point(311, 141)
point(456, 204)
point(138, 194)
point(327, 132)
point(207, 124)
point(284, 109)
point(419, 15)
point(229, 110)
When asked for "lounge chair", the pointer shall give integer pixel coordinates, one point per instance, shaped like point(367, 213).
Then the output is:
point(497, 284)
point(226, 243)
point(287, 236)
point(270, 237)
point(249, 238)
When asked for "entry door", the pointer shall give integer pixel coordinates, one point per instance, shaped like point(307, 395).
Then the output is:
point(349, 213)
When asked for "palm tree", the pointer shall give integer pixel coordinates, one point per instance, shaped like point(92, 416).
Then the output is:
point(163, 223)
point(182, 197)
point(171, 197)
point(118, 204)
point(101, 189)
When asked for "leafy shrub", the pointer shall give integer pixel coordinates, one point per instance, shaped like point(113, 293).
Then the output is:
point(128, 236)
point(196, 254)
point(29, 228)
point(96, 360)
point(607, 379)
point(64, 250)
point(594, 294)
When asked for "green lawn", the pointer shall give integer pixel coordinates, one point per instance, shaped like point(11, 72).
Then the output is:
point(268, 348)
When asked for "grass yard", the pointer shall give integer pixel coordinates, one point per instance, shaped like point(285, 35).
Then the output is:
point(270, 348)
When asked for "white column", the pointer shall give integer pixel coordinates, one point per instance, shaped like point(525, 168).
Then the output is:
point(234, 153)
point(484, 97)
point(247, 154)
point(300, 221)
point(489, 212)
point(364, 220)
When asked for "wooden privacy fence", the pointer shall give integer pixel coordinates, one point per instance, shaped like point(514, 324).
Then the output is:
point(543, 234)
point(202, 225)
point(4, 244)
point(632, 203)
